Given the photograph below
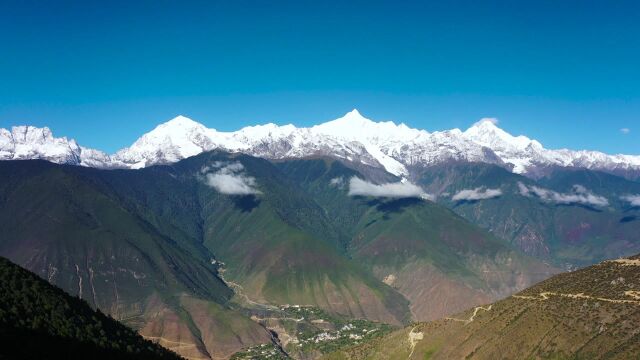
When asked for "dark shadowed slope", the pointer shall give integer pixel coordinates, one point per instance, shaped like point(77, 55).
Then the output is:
point(39, 320)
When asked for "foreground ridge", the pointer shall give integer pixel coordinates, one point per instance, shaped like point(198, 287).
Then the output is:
point(39, 320)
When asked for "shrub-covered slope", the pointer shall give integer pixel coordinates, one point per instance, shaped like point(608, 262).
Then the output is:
point(592, 313)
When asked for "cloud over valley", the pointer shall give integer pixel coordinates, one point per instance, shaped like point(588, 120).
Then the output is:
point(229, 179)
point(476, 194)
point(359, 187)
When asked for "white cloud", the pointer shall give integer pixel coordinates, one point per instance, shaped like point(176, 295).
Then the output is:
point(634, 199)
point(625, 131)
point(476, 194)
point(524, 190)
point(230, 179)
point(579, 195)
point(580, 189)
point(337, 182)
point(405, 189)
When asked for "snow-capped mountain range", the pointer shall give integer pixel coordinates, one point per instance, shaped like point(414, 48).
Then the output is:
point(353, 138)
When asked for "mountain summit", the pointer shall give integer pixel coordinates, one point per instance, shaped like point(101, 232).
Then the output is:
point(353, 138)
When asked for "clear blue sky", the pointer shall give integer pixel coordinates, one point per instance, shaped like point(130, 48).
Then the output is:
point(564, 72)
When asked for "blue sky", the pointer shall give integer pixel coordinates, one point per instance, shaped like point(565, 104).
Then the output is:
point(563, 72)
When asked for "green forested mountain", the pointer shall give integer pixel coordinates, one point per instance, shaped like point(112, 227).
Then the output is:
point(436, 259)
point(77, 234)
point(188, 265)
point(590, 313)
point(568, 235)
point(279, 246)
point(147, 246)
point(40, 321)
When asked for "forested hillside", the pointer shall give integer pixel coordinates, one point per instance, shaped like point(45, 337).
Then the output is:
point(40, 321)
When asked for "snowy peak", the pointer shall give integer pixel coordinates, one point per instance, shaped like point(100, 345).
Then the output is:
point(29, 142)
point(347, 126)
point(487, 132)
point(182, 120)
point(354, 116)
point(395, 147)
point(354, 126)
point(169, 142)
point(266, 131)
point(177, 126)
point(26, 134)
point(486, 129)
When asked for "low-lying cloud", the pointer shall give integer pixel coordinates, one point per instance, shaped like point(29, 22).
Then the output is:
point(579, 195)
point(229, 179)
point(359, 187)
point(633, 200)
point(524, 190)
point(337, 182)
point(476, 194)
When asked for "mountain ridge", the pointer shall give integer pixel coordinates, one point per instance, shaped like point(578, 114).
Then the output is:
point(396, 148)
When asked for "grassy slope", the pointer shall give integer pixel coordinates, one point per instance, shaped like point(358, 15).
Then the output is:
point(590, 313)
point(39, 320)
